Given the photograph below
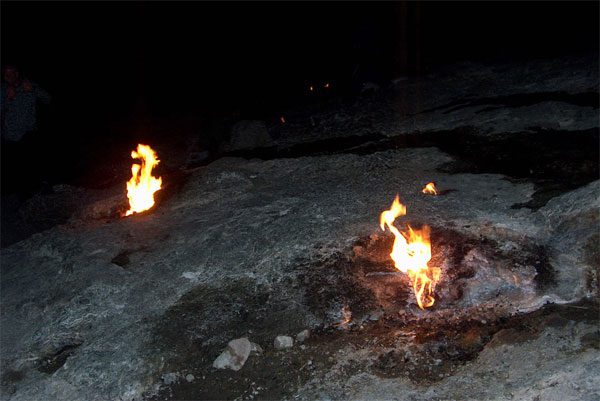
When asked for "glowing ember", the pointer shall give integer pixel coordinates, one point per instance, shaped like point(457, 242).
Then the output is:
point(411, 252)
point(346, 317)
point(142, 185)
point(430, 189)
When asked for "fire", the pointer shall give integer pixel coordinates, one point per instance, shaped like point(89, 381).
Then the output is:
point(142, 185)
point(346, 317)
point(430, 189)
point(411, 252)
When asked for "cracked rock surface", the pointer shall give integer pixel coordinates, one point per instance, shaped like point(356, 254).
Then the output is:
point(103, 308)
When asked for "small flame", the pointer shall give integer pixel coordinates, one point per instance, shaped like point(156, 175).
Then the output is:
point(411, 252)
point(346, 317)
point(311, 88)
point(142, 185)
point(430, 189)
point(326, 85)
point(282, 119)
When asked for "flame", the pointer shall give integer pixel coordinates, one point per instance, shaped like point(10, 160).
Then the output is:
point(282, 119)
point(142, 185)
point(346, 317)
point(430, 189)
point(411, 252)
point(311, 88)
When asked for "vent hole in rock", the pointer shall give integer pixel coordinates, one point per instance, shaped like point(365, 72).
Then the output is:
point(476, 272)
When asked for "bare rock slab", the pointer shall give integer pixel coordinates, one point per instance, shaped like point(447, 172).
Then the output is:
point(249, 134)
point(235, 355)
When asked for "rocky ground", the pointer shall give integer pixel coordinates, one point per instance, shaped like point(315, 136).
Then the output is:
point(273, 241)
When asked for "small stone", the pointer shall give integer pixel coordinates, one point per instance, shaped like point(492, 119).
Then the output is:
point(375, 315)
point(235, 355)
point(303, 335)
point(283, 342)
point(170, 378)
point(256, 348)
point(358, 251)
point(189, 378)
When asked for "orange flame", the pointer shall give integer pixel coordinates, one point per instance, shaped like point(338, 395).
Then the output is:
point(142, 185)
point(430, 189)
point(411, 252)
point(346, 317)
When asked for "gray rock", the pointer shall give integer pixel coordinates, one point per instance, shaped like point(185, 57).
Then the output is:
point(256, 348)
point(376, 315)
point(249, 134)
point(369, 87)
point(283, 342)
point(170, 378)
point(188, 252)
point(189, 378)
point(303, 335)
point(235, 355)
point(198, 157)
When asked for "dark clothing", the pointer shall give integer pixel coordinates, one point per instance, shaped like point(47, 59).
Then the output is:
point(24, 153)
point(19, 112)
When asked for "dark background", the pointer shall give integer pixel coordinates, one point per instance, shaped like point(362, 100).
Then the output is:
point(111, 65)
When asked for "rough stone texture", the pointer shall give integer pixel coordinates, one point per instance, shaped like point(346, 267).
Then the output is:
point(283, 342)
point(487, 96)
point(235, 355)
point(256, 348)
point(231, 249)
point(538, 369)
point(170, 378)
point(303, 335)
point(249, 134)
point(572, 227)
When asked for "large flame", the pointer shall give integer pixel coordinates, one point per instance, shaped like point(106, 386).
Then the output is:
point(411, 252)
point(142, 185)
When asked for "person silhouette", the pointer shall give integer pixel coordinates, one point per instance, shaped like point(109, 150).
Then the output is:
point(22, 152)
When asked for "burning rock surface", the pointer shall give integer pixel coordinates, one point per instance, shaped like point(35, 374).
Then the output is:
point(103, 308)
point(476, 273)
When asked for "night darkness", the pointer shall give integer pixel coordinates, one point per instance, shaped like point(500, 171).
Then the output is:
point(124, 73)
point(109, 63)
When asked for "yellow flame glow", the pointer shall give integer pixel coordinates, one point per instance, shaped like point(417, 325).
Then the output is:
point(411, 253)
point(142, 185)
point(430, 189)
